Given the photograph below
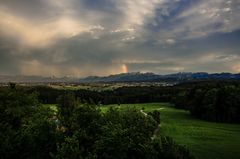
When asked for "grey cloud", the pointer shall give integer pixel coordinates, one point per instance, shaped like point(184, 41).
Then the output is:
point(200, 19)
point(36, 10)
point(98, 37)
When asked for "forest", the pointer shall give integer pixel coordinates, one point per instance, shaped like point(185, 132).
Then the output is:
point(209, 100)
point(77, 127)
point(213, 102)
point(78, 130)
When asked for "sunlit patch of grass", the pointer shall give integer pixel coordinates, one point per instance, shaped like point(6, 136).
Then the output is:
point(205, 140)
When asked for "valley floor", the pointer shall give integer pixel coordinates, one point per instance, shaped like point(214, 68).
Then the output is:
point(205, 140)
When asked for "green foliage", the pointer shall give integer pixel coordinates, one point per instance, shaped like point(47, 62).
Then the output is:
point(69, 149)
point(12, 85)
point(155, 115)
point(66, 105)
point(27, 130)
point(77, 130)
point(115, 134)
point(120, 95)
point(39, 135)
point(219, 103)
point(205, 140)
point(126, 133)
point(165, 147)
point(16, 106)
point(180, 100)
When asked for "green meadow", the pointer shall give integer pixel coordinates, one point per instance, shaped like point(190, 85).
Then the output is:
point(205, 140)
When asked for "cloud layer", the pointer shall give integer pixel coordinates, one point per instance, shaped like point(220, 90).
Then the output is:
point(101, 37)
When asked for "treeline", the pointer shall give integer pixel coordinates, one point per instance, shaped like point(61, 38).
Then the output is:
point(76, 130)
point(121, 95)
point(218, 102)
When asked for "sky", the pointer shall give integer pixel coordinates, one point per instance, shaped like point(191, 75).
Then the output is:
point(101, 37)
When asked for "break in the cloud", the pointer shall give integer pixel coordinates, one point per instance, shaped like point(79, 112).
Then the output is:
point(100, 37)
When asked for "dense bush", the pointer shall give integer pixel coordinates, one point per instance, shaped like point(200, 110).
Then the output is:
point(26, 129)
point(30, 130)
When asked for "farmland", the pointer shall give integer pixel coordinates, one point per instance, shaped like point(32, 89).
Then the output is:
point(204, 139)
point(197, 118)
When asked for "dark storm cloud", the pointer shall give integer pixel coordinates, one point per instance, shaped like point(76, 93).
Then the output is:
point(81, 37)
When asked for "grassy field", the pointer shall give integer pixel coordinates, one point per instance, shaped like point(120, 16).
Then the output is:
point(146, 106)
point(205, 140)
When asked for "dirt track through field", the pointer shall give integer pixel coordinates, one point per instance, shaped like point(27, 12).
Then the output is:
point(158, 127)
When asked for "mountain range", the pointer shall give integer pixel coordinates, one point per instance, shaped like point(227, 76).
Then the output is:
point(151, 77)
point(124, 77)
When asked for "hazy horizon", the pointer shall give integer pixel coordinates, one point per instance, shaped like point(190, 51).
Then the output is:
point(82, 77)
point(81, 38)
